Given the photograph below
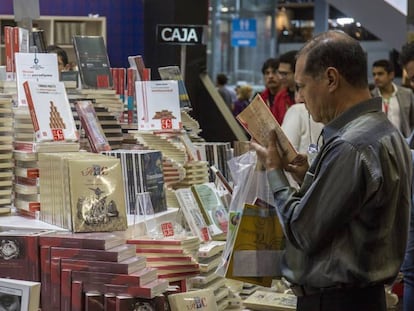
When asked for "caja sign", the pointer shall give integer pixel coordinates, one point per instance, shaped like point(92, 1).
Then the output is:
point(180, 34)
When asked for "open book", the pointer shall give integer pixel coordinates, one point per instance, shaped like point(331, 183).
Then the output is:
point(258, 121)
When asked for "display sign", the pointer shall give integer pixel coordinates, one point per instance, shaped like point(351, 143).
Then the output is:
point(180, 34)
point(243, 32)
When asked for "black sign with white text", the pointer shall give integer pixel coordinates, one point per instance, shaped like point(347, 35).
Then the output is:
point(180, 34)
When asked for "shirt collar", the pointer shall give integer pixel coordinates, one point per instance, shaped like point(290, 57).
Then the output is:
point(370, 105)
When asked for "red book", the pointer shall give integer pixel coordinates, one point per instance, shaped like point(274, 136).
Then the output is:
point(115, 254)
point(93, 240)
point(149, 290)
point(8, 44)
point(124, 303)
point(21, 260)
point(94, 301)
point(110, 302)
point(134, 279)
point(65, 289)
point(126, 266)
point(55, 283)
point(77, 296)
point(45, 277)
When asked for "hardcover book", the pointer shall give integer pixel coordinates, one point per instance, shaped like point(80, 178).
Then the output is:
point(19, 294)
point(93, 61)
point(50, 111)
point(174, 73)
point(258, 121)
point(158, 106)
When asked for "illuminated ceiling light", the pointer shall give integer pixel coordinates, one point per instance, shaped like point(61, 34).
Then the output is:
point(224, 9)
point(344, 21)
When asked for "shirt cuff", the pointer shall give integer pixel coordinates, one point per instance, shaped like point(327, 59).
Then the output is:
point(277, 179)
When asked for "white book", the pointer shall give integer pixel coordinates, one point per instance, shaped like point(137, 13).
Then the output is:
point(38, 67)
point(50, 111)
point(19, 295)
point(158, 105)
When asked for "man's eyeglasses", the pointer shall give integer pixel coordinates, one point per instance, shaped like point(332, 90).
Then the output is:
point(284, 73)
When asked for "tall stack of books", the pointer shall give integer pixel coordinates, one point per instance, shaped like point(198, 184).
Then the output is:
point(209, 257)
point(75, 265)
point(173, 257)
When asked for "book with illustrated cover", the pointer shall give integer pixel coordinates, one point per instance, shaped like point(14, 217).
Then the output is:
point(39, 67)
point(258, 121)
point(93, 62)
point(202, 300)
point(174, 73)
point(97, 194)
point(270, 301)
point(158, 105)
point(212, 208)
point(50, 111)
point(19, 294)
point(91, 125)
point(192, 213)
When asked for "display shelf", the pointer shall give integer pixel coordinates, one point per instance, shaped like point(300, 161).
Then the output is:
point(59, 30)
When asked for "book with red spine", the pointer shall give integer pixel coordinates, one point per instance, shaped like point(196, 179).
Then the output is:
point(77, 301)
point(149, 290)
point(65, 289)
point(94, 301)
point(55, 283)
point(109, 302)
point(8, 46)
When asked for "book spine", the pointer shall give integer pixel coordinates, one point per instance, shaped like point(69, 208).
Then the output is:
point(31, 106)
point(124, 303)
point(55, 281)
point(94, 301)
point(85, 254)
point(16, 45)
point(77, 296)
point(107, 278)
point(110, 302)
point(65, 289)
point(8, 42)
point(32, 246)
point(45, 277)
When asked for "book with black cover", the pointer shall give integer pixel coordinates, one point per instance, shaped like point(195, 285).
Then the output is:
point(93, 62)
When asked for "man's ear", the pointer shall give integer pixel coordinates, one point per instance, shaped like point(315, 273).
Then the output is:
point(332, 77)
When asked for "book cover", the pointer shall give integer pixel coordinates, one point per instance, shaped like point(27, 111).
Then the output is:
point(94, 301)
point(65, 289)
point(149, 290)
point(174, 73)
point(115, 254)
point(212, 208)
point(258, 121)
point(92, 126)
point(158, 106)
point(50, 111)
point(93, 62)
point(257, 247)
point(91, 240)
point(97, 194)
point(109, 302)
point(77, 301)
point(192, 213)
point(270, 301)
point(19, 294)
point(41, 68)
point(19, 254)
point(202, 299)
point(127, 266)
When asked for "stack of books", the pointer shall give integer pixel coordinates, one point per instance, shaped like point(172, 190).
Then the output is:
point(82, 192)
point(173, 257)
point(75, 265)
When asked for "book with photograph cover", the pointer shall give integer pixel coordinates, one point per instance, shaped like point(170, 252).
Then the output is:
point(50, 111)
point(19, 295)
point(93, 62)
point(258, 121)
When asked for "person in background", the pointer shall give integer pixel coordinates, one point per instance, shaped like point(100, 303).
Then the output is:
point(286, 97)
point(63, 61)
point(346, 227)
point(226, 93)
point(397, 101)
point(407, 61)
point(271, 81)
point(244, 94)
point(300, 128)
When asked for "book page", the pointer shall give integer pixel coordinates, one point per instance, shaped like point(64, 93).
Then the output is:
point(258, 120)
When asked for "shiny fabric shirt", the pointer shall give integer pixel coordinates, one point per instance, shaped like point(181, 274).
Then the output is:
point(348, 223)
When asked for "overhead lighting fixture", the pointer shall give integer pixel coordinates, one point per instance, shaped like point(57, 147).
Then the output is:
point(344, 21)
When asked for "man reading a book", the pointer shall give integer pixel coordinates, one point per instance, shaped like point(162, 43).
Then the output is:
point(346, 227)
